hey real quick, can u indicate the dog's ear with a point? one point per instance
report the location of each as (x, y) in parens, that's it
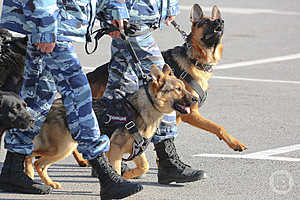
(167, 70)
(157, 76)
(196, 14)
(216, 13)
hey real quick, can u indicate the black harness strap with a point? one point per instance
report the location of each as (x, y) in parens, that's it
(179, 73)
(140, 142)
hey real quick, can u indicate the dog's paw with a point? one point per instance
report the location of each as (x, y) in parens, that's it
(83, 163)
(238, 146)
(55, 185)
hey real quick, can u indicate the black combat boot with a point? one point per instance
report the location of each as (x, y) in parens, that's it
(112, 185)
(171, 168)
(14, 179)
(124, 168)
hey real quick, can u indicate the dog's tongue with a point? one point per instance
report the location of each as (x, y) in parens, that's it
(187, 109)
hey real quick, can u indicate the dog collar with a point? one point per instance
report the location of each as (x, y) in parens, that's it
(204, 67)
(194, 61)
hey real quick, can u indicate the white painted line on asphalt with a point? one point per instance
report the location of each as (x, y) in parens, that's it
(243, 11)
(279, 150)
(255, 80)
(288, 159)
(261, 155)
(257, 62)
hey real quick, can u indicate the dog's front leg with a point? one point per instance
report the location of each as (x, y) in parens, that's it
(142, 167)
(195, 119)
(114, 156)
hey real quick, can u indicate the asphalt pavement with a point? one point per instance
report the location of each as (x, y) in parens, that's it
(254, 94)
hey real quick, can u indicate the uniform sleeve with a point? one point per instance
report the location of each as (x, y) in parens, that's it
(173, 8)
(116, 9)
(41, 16)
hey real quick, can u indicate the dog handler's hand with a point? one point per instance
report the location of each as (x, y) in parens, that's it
(170, 19)
(118, 23)
(45, 47)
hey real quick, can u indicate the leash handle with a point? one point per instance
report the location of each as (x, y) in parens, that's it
(128, 29)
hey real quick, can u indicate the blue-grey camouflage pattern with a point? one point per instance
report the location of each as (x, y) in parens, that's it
(44, 76)
(151, 11)
(52, 20)
(123, 75)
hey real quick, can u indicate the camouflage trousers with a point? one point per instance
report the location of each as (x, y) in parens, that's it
(124, 75)
(44, 76)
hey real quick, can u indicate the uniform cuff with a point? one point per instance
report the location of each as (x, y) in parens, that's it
(42, 38)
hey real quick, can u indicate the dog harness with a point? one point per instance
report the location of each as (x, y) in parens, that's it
(119, 113)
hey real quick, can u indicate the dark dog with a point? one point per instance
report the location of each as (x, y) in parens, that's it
(164, 94)
(12, 58)
(13, 113)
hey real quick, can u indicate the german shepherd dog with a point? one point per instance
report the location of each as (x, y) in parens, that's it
(163, 94)
(192, 63)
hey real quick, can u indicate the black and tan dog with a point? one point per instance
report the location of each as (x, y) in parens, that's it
(192, 63)
(163, 94)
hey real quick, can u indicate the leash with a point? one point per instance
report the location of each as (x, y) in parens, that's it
(183, 34)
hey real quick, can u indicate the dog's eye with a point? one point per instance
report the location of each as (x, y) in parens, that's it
(205, 21)
(17, 107)
(178, 89)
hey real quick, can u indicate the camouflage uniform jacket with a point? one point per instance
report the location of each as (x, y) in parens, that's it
(151, 11)
(51, 20)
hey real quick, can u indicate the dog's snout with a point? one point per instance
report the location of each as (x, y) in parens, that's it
(218, 25)
(219, 21)
(194, 99)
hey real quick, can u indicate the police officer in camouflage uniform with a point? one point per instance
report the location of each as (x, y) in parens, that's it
(124, 77)
(52, 66)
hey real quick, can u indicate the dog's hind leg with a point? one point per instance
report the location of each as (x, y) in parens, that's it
(142, 167)
(29, 167)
